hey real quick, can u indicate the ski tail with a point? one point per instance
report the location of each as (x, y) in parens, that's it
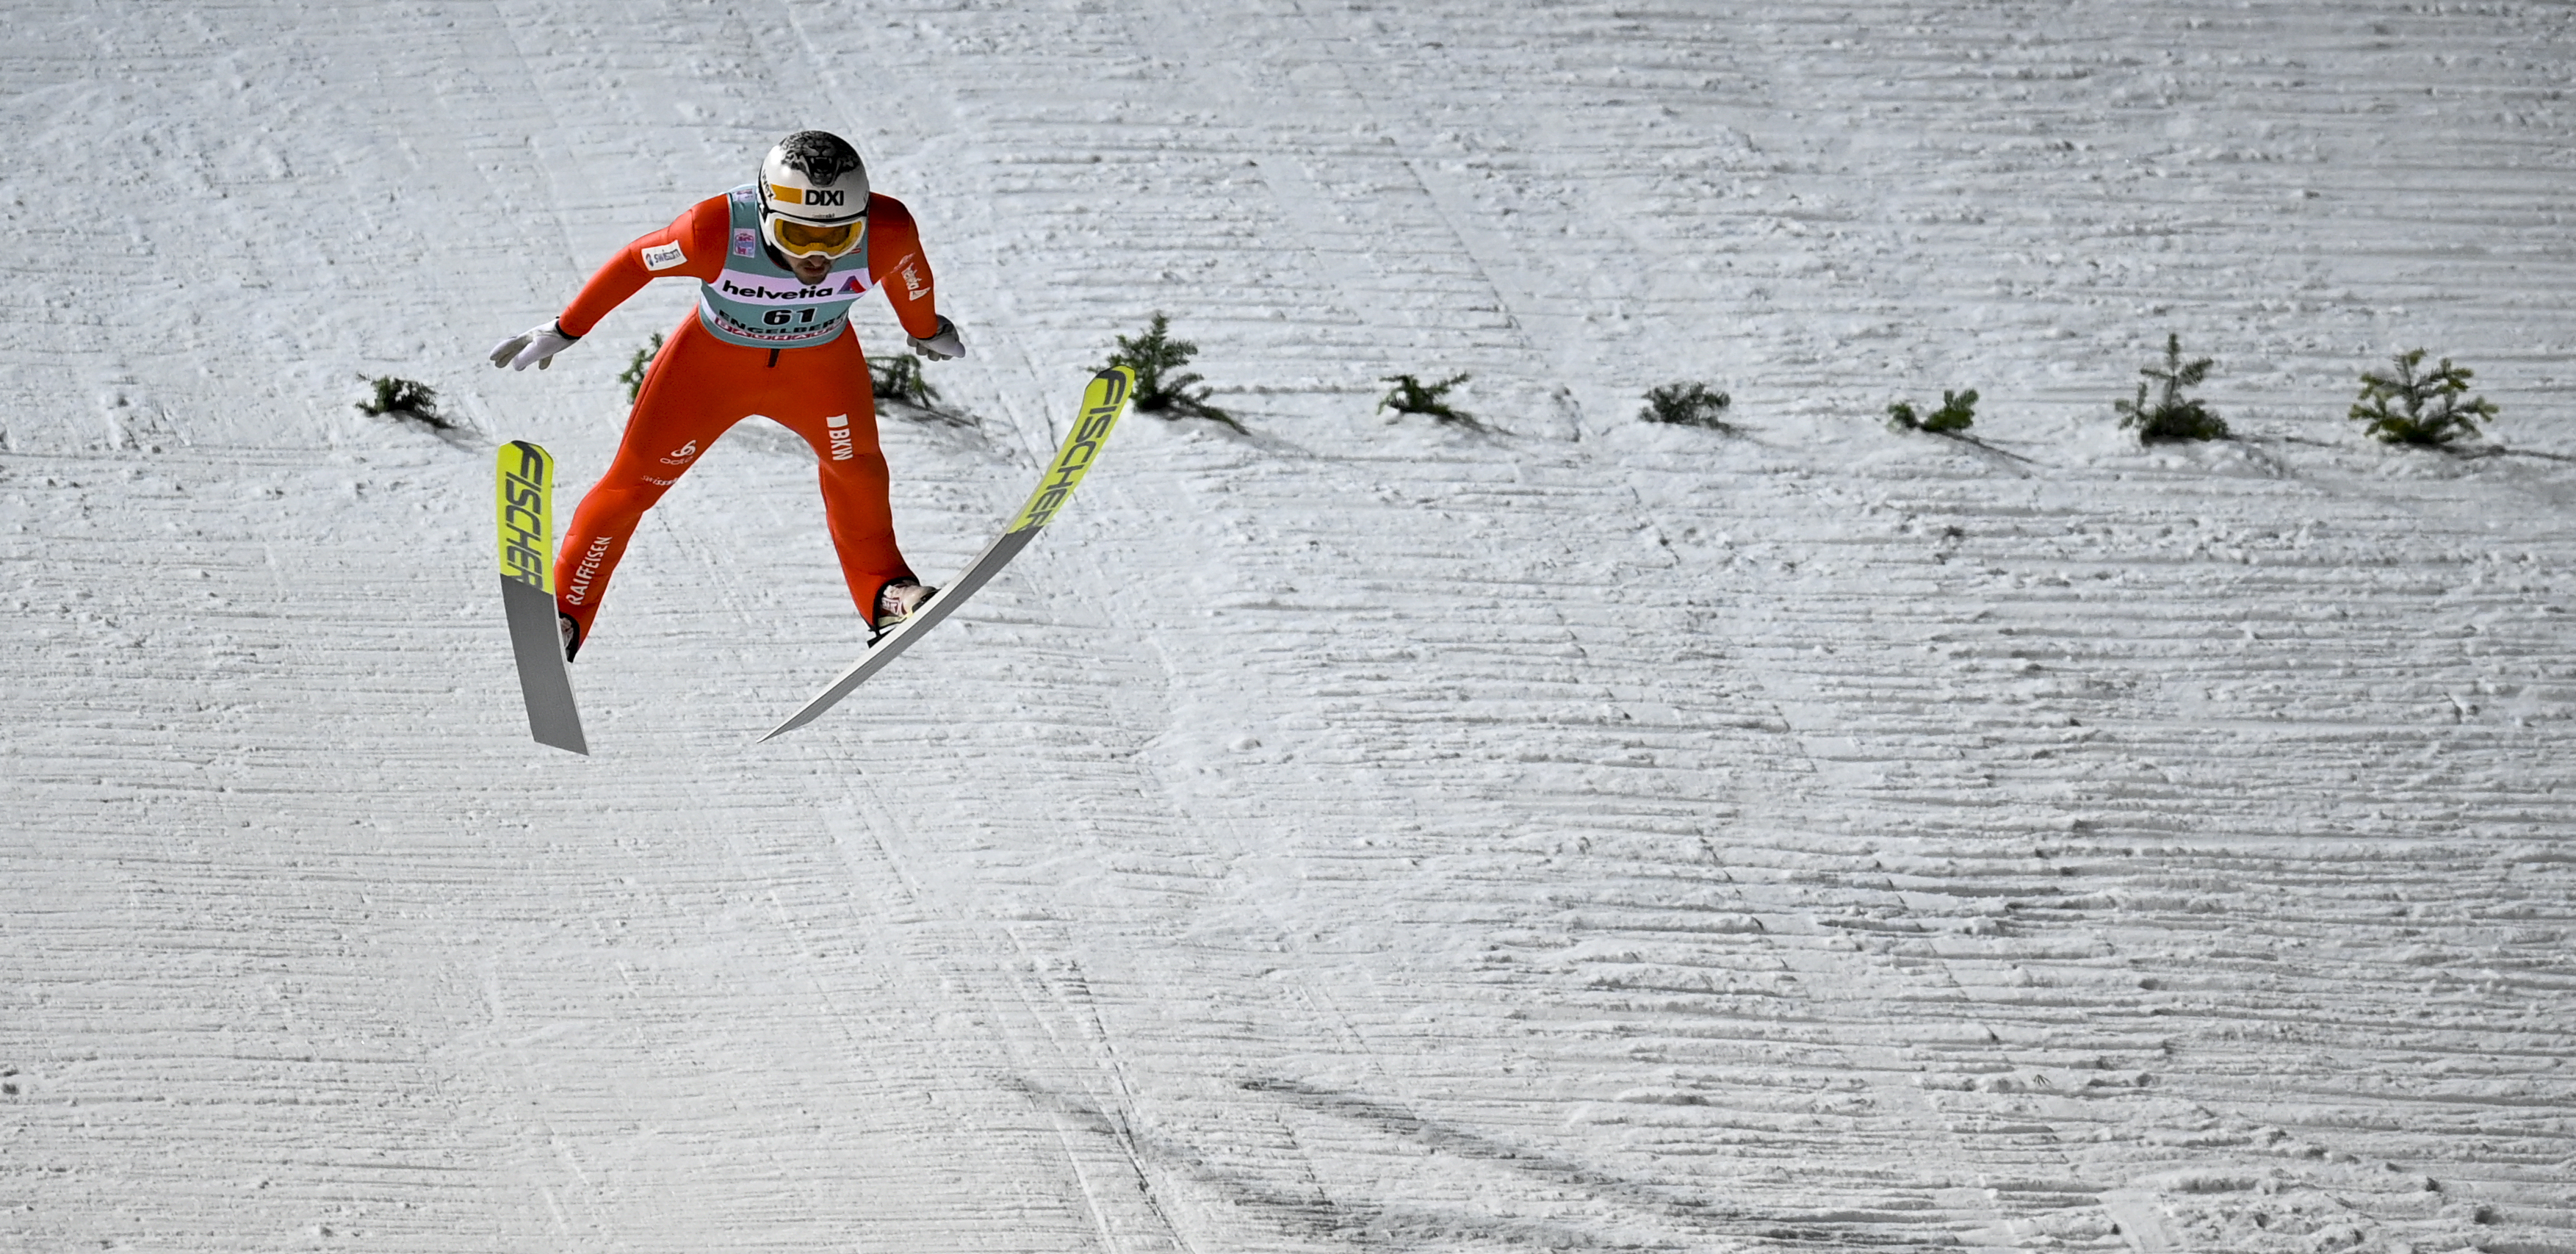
(523, 503)
(1102, 402)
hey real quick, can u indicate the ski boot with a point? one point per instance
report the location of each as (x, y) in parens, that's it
(897, 601)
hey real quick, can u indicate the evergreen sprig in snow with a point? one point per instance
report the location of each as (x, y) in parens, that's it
(1688, 405)
(636, 367)
(1411, 395)
(407, 399)
(2429, 409)
(1957, 413)
(898, 378)
(1154, 356)
(2172, 416)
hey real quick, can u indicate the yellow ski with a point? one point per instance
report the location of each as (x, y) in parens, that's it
(1102, 402)
(523, 504)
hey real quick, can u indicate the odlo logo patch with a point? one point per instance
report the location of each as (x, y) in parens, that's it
(680, 456)
(843, 448)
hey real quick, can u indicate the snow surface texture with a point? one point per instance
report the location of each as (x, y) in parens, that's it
(1363, 834)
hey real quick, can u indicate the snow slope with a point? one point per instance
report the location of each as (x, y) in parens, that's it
(1361, 834)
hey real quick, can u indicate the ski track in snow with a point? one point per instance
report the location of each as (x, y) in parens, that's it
(1362, 834)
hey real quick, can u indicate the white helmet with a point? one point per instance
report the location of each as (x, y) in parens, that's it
(813, 184)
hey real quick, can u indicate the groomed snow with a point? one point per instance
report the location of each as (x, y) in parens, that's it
(1356, 835)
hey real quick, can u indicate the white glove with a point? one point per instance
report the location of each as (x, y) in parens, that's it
(535, 346)
(942, 346)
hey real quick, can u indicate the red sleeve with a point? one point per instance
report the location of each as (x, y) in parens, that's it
(699, 235)
(896, 265)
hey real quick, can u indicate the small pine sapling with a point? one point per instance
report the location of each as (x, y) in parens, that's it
(1958, 411)
(1686, 405)
(1413, 396)
(898, 378)
(2448, 417)
(1152, 354)
(405, 399)
(2172, 416)
(633, 375)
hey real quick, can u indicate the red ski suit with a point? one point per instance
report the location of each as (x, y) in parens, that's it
(700, 386)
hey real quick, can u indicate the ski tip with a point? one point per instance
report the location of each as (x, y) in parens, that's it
(1121, 381)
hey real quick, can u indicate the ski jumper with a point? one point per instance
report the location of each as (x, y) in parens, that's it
(760, 343)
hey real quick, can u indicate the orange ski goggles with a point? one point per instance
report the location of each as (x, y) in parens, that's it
(801, 239)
